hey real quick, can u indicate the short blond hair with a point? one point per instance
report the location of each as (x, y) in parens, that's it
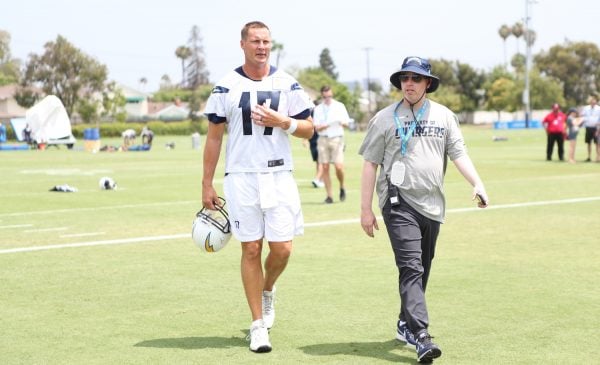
(250, 25)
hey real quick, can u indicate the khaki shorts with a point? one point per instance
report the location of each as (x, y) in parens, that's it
(331, 150)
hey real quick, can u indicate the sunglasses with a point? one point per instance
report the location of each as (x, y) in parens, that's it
(415, 78)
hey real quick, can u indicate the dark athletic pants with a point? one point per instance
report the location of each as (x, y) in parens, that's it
(559, 139)
(413, 239)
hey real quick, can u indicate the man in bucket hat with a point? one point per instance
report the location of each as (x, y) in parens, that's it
(411, 141)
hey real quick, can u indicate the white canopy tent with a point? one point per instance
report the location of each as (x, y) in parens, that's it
(49, 122)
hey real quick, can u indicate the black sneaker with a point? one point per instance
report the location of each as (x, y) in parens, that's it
(426, 350)
(328, 200)
(404, 334)
(342, 195)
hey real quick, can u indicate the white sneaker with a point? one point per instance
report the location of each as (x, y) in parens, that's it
(259, 337)
(318, 184)
(268, 308)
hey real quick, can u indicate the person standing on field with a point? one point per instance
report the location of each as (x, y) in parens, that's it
(591, 120)
(573, 123)
(554, 123)
(331, 117)
(410, 142)
(261, 107)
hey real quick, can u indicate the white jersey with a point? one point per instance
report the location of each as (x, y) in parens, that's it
(250, 147)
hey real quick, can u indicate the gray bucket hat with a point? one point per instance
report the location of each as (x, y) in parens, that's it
(417, 65)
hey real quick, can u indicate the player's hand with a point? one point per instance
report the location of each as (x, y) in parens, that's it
(210, 198)
(368, 222)
(480, 196)
(264, 116)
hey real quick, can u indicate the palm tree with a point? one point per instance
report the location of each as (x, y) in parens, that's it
(504, 32)
(277, 47)
(143, 82)
(184, 53)
(518, 30)
(530, 37)
(165, 82)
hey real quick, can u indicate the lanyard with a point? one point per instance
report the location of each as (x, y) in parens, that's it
(404, 137)
(325, 112)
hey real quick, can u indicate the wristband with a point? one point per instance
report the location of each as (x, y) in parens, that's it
(293, 126)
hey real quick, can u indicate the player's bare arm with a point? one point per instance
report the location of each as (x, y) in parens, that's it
(212, 150)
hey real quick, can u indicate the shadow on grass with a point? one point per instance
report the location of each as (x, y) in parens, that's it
(195, 343)
(377, 350)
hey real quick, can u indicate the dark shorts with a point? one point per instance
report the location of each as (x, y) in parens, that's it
(590, 135)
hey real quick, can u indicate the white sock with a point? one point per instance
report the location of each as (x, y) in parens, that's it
(257, 323)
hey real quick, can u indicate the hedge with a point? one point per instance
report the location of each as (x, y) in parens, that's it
(183, 128)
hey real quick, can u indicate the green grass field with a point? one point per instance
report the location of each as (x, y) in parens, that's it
(119, 281)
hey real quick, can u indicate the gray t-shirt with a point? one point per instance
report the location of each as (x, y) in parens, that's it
(437, 136)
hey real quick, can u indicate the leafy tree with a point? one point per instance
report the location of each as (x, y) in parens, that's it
(315, 77)
(63, 70)
(113, 103)
(196, 72)
(518, 63)
(445, 70)
(503, 94)
(461, 80)
(9, 67)
(326, 63)
(26, 96)
(448, 96)
(183, 53)
(577, 65)
(545, 91)
(168, 95)
(88, 110)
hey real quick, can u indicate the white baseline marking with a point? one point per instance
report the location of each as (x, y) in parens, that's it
(315, 224)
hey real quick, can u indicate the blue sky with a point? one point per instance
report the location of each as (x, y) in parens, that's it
(136, 39)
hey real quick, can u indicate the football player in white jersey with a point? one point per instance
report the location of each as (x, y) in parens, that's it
(261, 107)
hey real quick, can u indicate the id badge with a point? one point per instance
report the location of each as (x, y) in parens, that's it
(397, 175)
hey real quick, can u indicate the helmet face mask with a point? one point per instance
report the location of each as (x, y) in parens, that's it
(211, 229)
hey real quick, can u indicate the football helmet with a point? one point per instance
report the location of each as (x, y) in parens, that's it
(211, 229)
(106, 183)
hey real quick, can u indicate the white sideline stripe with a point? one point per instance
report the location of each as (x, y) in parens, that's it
(315, 224)
(72, 210)
(530, 204)
(96, 243)
(17, 226)
(82, 234)
(46, 229)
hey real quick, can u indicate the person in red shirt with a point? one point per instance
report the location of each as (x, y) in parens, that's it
(554, 123)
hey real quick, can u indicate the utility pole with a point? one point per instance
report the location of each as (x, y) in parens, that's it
(526, 100)
(367, 50)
